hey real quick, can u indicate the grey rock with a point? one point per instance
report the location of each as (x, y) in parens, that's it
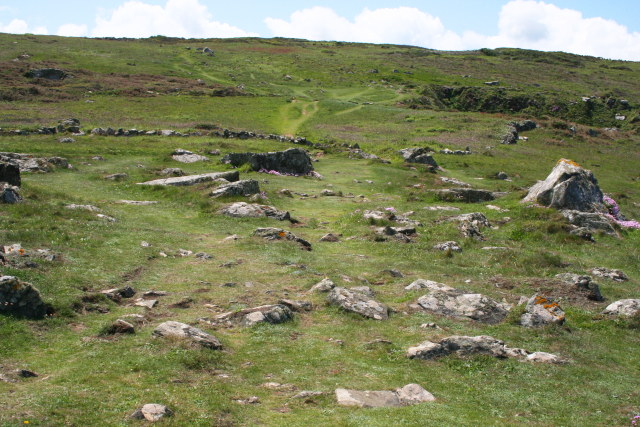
(172, 172)
(418, 155)
(615, 275)
(137, 202)
(184, 331)
(116, 176)
(325, 285)
(22, 299)
(454, 302)
(590, 221)
(245, 187)
(297, 305)
(467, 195)
(525, 125)
(413, 394)
(10, 173)
(9, 194)
(358, 303)
(292, 161)
(28, 163)
(185, 156)
(367, 399)
(146, 303)
(274, 314)
(448, 246)
(326, 192)
(152, 412)
(89, 208)
(329, 237)
(306, 394)
(454, 181)
(365, 290)
(511, 136)
(542, 311)
(623, 307)
(502, 176)
(427, 284)
(253, 210)
(271, 234)
(568, 186)
(230, 176)
(478, 345)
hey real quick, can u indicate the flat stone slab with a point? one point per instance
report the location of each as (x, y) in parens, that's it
(273, 313)
(254, 210)
(180, 181)
(357, 302)
(411, 394)
(184, 331)
(448, 301)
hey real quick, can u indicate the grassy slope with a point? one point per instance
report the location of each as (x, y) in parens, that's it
(86, 380)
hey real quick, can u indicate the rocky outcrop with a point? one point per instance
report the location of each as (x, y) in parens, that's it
(612, 274)
(271, 233)
(583, 284)
(411, 394)
(588, 221)
(542, 311)
(624, 307)
(183, 331)
(568, 186)
(274, 314)
(22, 299)
(253, 210)
(450, 246)
(359, 303)
(418, 155)
(448, 301)
(28, 163)
(10, 173)
(325, 285)
(471, 224)
(180, 181)
(478, 345)
(294, 161)
(245, 187)
(511, 136)
(466, 195)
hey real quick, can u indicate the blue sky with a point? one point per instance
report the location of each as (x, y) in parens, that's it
(609, 29)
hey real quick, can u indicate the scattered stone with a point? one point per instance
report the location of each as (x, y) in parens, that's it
(185, 156)
(588, 221)
(116, 294)
(67, 140)
(582, 283)
(155, 294)
(541, 311)
(525, 125)
(511, 136)
(419, 155)
(454, 181)
(253, 400)
(253, 210)
(494, 248)
(466, 195)
(230, 176)
(274, 314)
(120, 327)
(393, 273)
(469, 346)
(365, 290)
(245, 187)
(327, 192)
(286, 192)
(271, 234)
(502, 176)
(117, 176)
(411, 394)
(184, 331)
(624, 307)
(203, 256)
(231, 238)
(295, 161)
(448, 246)
(448, 301)
(615, 275)
(152, 412)
(106, 217)
(325, 285)
(359, 303)
(28, 163)
(22, 299)
(297, 305)
(568, 186)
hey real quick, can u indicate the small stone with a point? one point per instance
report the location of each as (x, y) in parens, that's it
(184, 331)
(624, 307)
(306, 394)
(116, 176)
(146, 303)
(296, 305)
(329, 237)
(448, 246)
(152, 412)
(120, 327)
(145, 244)
(325, 285)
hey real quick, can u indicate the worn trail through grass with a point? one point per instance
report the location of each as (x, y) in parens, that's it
(294, 114)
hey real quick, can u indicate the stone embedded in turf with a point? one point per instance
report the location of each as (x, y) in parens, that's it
(454, 302)
(542, 311)
(22, 299)
(152, 412)
(190, 333)
(410, 394)
(245, 187)
(356, 302)
(254, 210)
(624, 307)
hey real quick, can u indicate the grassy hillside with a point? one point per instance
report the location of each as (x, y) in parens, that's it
(381, 97)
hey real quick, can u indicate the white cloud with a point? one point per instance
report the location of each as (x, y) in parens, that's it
(73, 30)
(177, 18)
(18, 26)
(525, 24)
(402, 25)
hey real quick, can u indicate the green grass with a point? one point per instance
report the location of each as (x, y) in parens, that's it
(87, 379)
